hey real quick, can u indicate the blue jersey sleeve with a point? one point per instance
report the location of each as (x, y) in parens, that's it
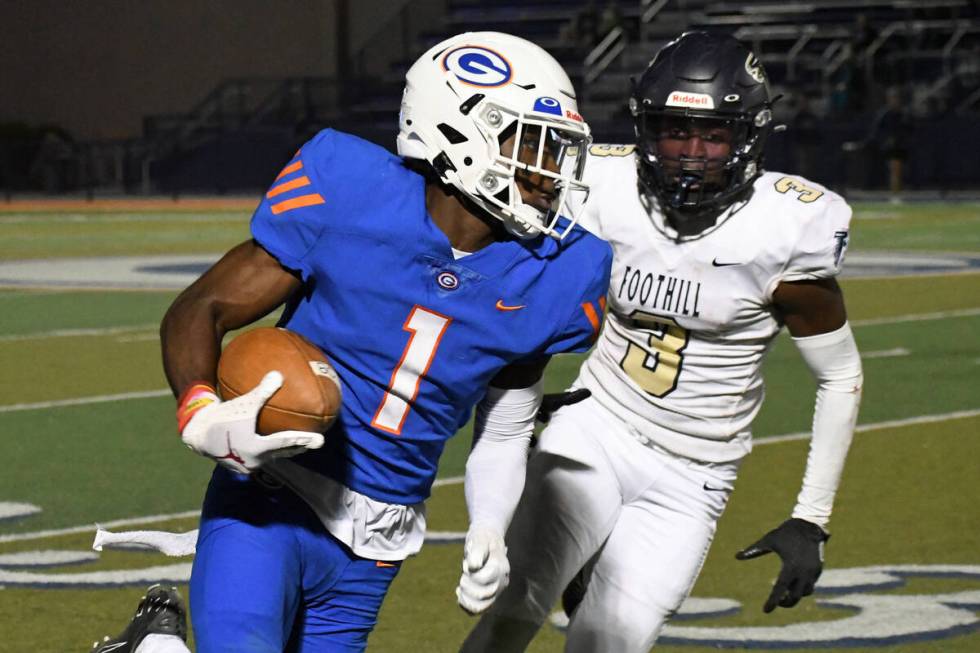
(583, 325)
(296, 209)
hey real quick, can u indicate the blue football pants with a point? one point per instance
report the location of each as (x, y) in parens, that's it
(269, 578)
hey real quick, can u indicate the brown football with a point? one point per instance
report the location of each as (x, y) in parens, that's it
(309, 398)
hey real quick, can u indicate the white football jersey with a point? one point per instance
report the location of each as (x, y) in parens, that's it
(689, 320)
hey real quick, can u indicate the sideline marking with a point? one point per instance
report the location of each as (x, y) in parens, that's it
(456, 480)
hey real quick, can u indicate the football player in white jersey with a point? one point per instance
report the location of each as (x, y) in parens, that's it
(712, 256)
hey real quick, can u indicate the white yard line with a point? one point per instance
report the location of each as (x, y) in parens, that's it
(886, 353)
(90, 528)
(877, 426)
(79, 333)
(118, 330)
(80, 401)
(917, 317)
(456, 480)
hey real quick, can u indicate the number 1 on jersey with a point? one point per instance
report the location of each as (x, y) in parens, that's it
(427, 328)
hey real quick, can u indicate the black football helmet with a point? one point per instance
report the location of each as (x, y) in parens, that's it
(701, 80)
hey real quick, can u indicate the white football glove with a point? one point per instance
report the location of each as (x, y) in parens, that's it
(486, 570)
(225, 431)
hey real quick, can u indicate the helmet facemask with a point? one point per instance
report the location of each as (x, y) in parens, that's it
(543, 157)
(700, 185)
(703, 81)
(467, 97)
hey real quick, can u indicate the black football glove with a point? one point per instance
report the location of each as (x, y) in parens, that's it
(799, 544)
(551, 403)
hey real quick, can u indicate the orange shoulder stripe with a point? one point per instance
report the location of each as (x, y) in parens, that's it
(299, 182)
(292, 167)
(297, 202)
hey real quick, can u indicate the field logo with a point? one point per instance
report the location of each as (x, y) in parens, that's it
(875, 618)
(477, 66)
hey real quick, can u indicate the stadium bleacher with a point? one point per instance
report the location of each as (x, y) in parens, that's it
(841, 55)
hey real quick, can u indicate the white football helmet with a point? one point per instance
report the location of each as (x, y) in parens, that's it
(468, 95)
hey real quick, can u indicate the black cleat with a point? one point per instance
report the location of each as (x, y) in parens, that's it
(160, 612)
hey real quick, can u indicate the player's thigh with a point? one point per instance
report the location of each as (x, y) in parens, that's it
(245, 582)
(650, 561)
(341, 609)
(571, 501)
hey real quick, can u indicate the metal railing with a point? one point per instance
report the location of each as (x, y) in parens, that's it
(603, 54)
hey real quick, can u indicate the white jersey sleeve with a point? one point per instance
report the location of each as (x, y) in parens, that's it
(604, 164)
(824, 235)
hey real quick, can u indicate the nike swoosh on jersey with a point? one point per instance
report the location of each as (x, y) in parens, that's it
(503, 307)
(719, 264)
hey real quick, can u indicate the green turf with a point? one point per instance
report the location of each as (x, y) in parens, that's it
(929, 227)
(935, 227)
(883, 298)
(28, 312)
(56, 235)
(907, 496)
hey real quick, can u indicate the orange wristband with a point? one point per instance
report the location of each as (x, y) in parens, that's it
(194, 398)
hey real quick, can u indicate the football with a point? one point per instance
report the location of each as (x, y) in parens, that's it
(309, 398)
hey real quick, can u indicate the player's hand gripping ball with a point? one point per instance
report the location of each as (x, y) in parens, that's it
(309, 398)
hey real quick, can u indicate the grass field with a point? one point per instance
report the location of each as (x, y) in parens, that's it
(88, 435)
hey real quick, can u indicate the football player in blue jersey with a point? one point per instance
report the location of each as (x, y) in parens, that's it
(436, 281)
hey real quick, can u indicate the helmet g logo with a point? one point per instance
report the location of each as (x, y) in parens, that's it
(754, 68)
(477, 66)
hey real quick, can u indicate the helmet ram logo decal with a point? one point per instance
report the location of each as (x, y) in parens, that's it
(754, 68)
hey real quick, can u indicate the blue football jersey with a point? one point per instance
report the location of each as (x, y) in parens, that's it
(415, 335)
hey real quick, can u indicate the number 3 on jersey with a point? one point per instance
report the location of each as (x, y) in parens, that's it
(656, 366)
(427, 328)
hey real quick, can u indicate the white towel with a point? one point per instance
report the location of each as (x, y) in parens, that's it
(171, 544)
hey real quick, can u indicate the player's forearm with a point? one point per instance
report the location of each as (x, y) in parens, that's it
(246, 284)
(191, 342)
(834, 360)
(497, 464)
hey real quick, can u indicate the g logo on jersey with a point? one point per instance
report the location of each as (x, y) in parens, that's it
(448, 280)
(478, 66)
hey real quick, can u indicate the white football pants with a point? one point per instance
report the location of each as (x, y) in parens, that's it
(593, 490)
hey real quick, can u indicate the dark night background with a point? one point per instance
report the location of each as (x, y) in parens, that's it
(109, 97)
